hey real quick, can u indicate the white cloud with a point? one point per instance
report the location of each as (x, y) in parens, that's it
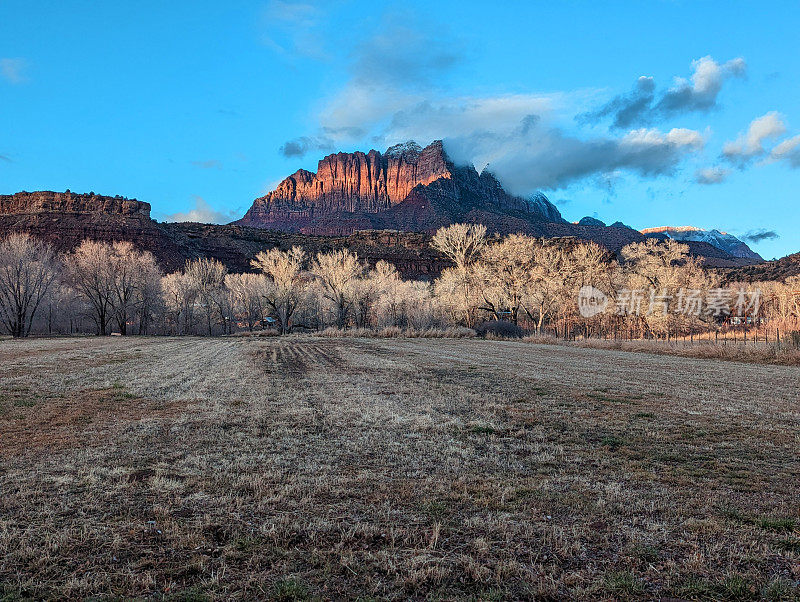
(203, 213)
(708, 75)
(13, 70)
(540, 156)
(788, 150)
(395, 93)
(701, 92)
(643, 106)
(676, 136)
(711, 175)
(750, 144)
(448, 117)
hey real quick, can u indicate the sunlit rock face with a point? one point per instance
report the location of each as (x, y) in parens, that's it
(405, 188)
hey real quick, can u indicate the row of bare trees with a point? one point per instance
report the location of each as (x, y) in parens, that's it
(781, 304)
(537, 281)
(107, 288)
(532, 282)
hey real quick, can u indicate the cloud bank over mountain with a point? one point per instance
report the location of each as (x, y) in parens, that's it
(393, 94)
(670, 137)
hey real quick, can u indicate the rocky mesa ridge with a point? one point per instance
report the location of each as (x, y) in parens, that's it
(461, 194)
(406, 188)
(46, 201)
(64, 219)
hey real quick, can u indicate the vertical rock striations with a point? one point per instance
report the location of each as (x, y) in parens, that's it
(407, 187)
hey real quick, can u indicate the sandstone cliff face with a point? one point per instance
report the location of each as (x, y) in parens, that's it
(65, 219)
(69, 202)
(351, 183)
(355, 191)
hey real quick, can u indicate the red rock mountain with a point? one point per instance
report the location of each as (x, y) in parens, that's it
(414, 189)
(406, 188)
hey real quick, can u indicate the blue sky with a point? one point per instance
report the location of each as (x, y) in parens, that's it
(653, 113)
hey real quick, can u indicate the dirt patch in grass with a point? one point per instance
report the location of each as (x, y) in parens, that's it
(35, 422)
(296, 358)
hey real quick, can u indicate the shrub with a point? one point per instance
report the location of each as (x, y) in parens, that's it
(542, 339)
(500, 329)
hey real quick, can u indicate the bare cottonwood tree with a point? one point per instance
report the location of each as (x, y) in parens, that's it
(365, 296)
(180, 295)
(207, 277)
(553, 270)
(418, 310)
(124, 272)
(462, 244)
(27, 270)
(151, 295)
(337, 272)
(92, 276)
(135, 282)
(399, 302)
(62, 309)
(390, 299)
(781, 302)
(286, 284)
(248, 292)
(663, 268)
(224, 305)
(506, 274)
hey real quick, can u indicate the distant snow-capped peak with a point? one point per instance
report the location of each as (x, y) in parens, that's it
(403, 148)
(717, 238)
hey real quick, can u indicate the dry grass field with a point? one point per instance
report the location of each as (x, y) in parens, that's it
(322, 468)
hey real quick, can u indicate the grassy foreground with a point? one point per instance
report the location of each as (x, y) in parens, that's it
(306, 467)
